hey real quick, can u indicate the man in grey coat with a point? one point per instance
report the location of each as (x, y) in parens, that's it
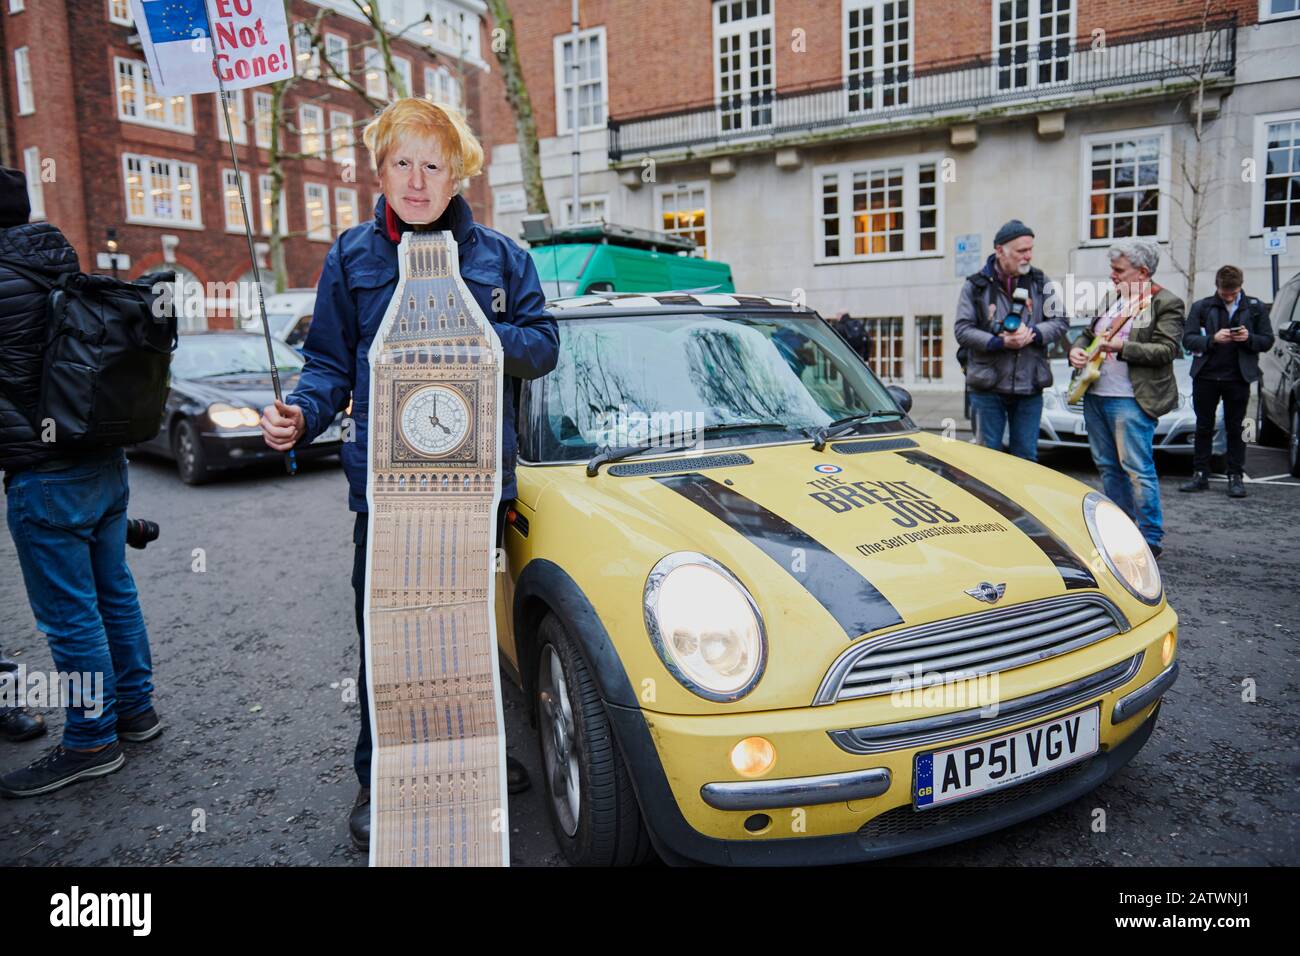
(1005, 321)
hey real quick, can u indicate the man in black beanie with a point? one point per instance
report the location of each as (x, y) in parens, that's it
(67, 516)
(1005, 321)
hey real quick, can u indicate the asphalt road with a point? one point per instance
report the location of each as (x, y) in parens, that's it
(252, 656)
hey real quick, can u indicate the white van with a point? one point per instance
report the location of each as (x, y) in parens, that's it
(289, 315)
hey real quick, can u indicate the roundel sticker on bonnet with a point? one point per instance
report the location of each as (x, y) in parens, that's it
(827, 469)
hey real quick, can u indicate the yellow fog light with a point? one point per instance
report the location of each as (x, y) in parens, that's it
(1167, 648)
(753, 756)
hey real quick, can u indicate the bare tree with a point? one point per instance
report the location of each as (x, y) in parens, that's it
(521, 105)
(1198, 159)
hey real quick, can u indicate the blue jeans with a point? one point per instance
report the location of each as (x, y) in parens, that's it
(69, 529)
(1120, 435)
(993, 411)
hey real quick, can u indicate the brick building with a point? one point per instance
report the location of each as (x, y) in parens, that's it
(863, 152)
(80, 109)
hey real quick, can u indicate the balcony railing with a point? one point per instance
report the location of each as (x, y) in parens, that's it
(1037, 77)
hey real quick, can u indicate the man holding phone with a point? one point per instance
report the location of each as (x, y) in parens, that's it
(1227, 331)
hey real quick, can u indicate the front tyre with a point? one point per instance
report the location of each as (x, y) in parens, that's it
(589, 795)
(188, 452)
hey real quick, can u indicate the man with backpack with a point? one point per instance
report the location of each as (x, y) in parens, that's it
(66, 505)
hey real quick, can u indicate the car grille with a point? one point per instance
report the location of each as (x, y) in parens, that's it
(963, 647)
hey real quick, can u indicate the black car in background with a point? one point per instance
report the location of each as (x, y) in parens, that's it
(1278, 410)
(220, 383)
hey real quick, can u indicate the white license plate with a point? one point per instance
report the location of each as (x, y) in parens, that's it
(945, 776)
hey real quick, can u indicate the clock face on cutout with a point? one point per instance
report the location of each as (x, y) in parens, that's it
(435, 420)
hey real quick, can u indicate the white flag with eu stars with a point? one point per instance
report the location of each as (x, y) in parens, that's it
(252, 43)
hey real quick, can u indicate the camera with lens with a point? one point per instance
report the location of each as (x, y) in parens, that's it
(1016, 317)
(140, 532)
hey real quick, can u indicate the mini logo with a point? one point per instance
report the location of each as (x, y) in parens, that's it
(988, 593)
(827, 469)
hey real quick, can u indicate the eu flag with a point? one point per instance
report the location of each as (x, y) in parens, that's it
(175, 19)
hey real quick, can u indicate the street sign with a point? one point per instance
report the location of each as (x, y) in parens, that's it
(1275, 242)
(967, 254)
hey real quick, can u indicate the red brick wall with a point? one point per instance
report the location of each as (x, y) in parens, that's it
(661, 54)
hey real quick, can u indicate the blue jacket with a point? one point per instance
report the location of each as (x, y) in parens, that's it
(352, 296)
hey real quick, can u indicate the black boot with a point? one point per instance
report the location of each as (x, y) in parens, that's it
(1236, 487)
(359, 820)
(17, 725)
(1200, 482)
(516, 776)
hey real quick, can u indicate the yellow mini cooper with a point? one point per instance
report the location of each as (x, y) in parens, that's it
(761, 618)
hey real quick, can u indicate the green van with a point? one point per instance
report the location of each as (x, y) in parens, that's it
(602, 257)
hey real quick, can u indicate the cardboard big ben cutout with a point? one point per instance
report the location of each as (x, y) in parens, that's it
(438, 781)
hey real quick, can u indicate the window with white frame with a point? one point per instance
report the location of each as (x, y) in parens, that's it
(442, 86)
(1127, 179)
(231, 199)
(345, 207)
(336, 53)
(238, 116)
(743, 78)
(885, 209)
(23, 73)
(139, 102)
(402, 67)
(1277, 162)
(376, 75)
(886, 355)
(119, 11)
(1032, 41)
(342, 138)
(929, 348)
(17, 6)
(264, 200)
(318, 211)
(35, 186)
(877, 53)
(263, 117)
(683, 210)
(580, 72)
(161, 192)
(311, 129)
(306, 55)
(594, 209)
(1274, 9)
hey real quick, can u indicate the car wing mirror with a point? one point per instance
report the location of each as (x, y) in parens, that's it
(902, 396)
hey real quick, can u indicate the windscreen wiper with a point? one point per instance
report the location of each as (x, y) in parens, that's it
(842, 426)
(627, 451)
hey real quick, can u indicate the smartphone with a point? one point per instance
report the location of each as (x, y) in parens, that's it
(1236, 328)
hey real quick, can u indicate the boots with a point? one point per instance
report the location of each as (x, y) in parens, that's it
(1200, 482)
(1236, 487)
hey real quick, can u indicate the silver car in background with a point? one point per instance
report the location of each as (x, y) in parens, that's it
(1062, 424)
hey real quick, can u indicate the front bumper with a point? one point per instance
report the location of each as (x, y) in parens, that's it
(825, 804)
(238, 448)
(1175, 431)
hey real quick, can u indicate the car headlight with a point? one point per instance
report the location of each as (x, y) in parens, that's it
(705, 626)
(1122, 547)
(228, 416)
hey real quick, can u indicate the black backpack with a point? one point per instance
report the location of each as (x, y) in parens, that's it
(107, 357)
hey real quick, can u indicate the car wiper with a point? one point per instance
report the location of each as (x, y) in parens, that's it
(610, 455)
(237, 371)
(842, 426)
(737, 426)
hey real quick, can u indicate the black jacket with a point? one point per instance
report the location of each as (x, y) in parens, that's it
(1209, 315)
(41, 248)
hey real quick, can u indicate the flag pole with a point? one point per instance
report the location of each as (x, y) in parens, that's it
(290, 457)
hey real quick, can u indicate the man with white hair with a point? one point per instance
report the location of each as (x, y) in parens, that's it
(1141, 327)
